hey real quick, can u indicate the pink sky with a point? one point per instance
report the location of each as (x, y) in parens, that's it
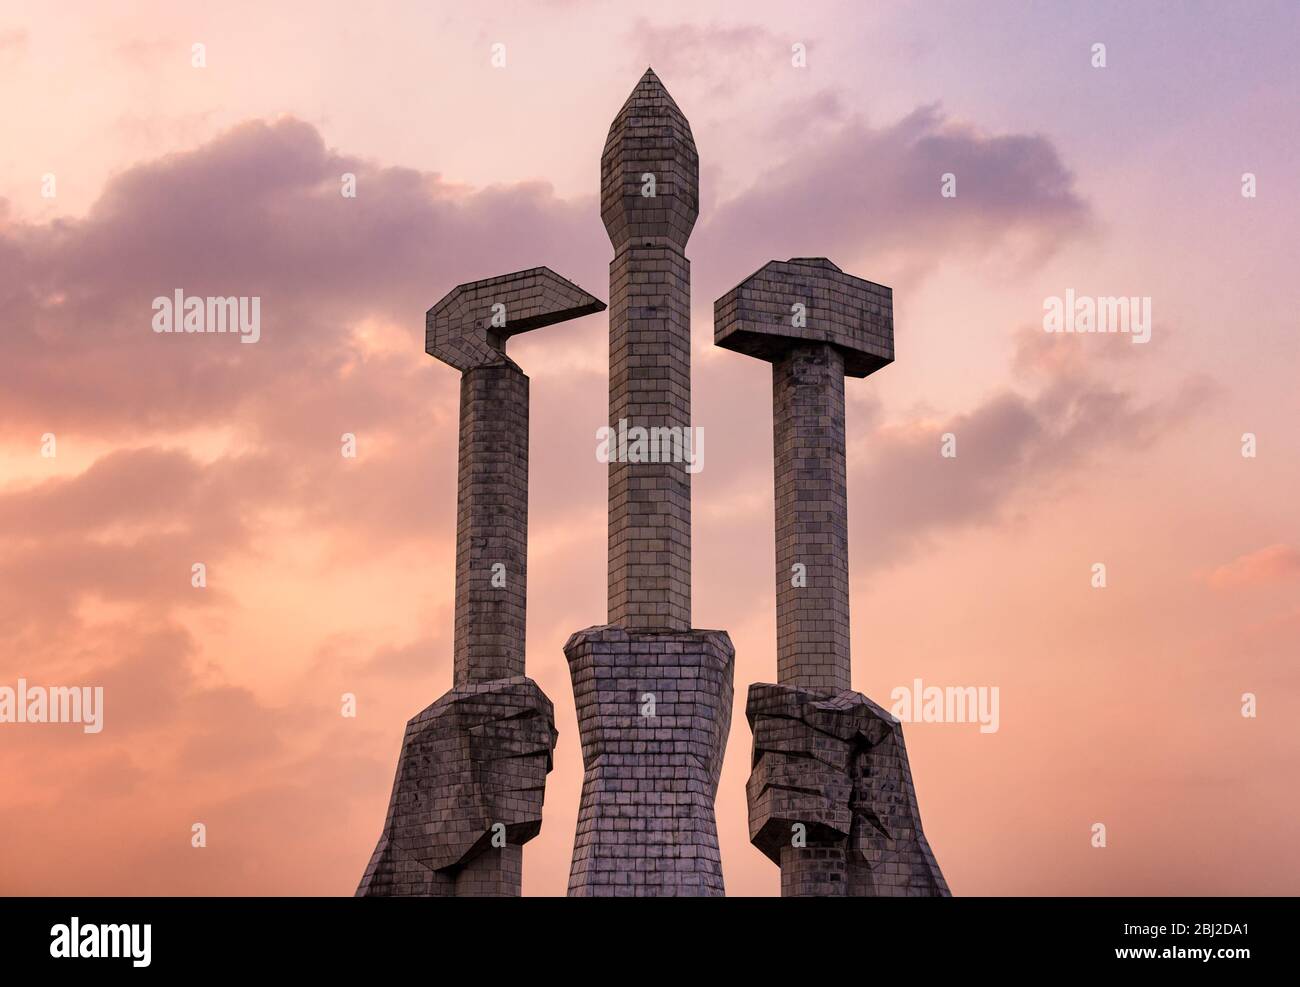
(329, 575)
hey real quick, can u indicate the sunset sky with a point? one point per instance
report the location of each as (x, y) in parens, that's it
(329, 575)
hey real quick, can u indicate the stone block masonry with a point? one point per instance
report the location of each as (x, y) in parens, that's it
(650, 386)
(649, 185)
(468, 794)
(653, 695)
(812, 531)
(830, 793)
(491, 525)
(654, 709)
(835, 763)
(472, 771)
(831, 797)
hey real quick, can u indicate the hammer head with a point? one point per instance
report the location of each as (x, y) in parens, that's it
(762, 316)
(471, 324)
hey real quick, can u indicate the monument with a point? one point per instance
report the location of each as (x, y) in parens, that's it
(653, 694)
(472, 771)
(830, 794)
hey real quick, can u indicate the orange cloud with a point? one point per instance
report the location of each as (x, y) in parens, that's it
(1273, 564)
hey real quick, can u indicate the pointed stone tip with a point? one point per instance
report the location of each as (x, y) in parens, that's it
(649, 135)
(650, 86)
(649, 99)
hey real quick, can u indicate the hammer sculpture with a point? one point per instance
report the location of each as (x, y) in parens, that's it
(830, 794)
(472, 771)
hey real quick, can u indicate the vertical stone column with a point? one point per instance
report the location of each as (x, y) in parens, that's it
(491, 568)
(649, 185)
(812, 550)
(830, 795)
(653, 695)
(650, 387)
(491, 524)
(472, 771)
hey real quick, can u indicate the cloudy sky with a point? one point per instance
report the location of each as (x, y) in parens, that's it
(126, 173)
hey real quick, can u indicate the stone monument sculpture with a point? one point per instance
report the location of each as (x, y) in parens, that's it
(472, 771)
(653, 694)
(830, 795)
